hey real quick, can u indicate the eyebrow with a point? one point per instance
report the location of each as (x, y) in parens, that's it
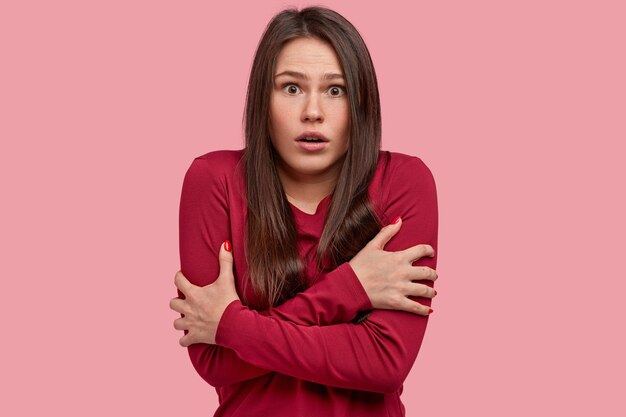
(296, 74)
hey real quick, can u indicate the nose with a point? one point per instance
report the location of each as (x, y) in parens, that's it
(312, 111)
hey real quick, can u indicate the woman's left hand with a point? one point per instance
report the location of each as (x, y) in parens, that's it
(203, 307)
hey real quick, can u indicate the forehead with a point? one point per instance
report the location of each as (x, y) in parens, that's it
(307, 54)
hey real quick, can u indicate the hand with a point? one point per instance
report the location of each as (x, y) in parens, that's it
(387, 277)
(202, 307)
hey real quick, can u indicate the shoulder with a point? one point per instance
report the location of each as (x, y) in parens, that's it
(213, 172)
(403, 180)
(219, 161)
(394, 163)
(215, 164)
(399, 169)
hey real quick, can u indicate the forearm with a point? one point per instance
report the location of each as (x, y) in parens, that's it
(374, 355)
(336, 298)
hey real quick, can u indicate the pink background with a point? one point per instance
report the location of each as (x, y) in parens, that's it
(518, 108)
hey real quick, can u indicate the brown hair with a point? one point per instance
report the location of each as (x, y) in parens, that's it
(275, 270)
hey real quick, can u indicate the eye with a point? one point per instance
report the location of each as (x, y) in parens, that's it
(337, 90)
(290, 88)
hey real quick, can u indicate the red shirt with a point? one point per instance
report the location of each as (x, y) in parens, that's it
(305, 358)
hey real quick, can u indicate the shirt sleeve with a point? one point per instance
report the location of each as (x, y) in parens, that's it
(374, 355)
(337, 297)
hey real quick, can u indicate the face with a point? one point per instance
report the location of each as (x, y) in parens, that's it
(309, 97)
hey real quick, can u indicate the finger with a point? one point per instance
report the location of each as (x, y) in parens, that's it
(182, 283)
(420, 290)
(418, 251)
(180, 324)
(178, 305)
(419, 273)
(184, 341)
(414, 307)
(386, 233)
(226, 260)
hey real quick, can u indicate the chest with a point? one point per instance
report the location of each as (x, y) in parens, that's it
(309, 229)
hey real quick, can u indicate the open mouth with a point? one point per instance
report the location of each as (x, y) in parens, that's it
(312, 137)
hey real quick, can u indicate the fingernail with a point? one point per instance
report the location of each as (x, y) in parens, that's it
(435, 292)
(227, 245)
(396, 220)
(430, 310)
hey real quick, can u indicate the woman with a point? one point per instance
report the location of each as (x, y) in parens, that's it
(325, 325)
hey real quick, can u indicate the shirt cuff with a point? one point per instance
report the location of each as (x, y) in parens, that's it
(355, 289)
(224, 327)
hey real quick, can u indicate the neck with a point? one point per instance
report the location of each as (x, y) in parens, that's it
(307, 188)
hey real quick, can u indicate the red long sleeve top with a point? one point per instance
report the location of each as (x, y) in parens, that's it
(305, 358)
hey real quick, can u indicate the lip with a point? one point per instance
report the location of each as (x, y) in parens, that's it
(312, 146)
(311, 134)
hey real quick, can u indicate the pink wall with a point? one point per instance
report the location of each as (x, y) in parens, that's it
(518, 108)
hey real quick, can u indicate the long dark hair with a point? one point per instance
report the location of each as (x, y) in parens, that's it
(274, 268)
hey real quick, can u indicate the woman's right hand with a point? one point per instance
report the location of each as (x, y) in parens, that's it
(387, 277)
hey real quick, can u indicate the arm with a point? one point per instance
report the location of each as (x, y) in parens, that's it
(336, 297)
(375, 355)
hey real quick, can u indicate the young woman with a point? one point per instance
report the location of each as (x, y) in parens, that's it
(295, 301)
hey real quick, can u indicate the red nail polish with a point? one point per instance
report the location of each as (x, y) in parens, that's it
(430, 310)
(227, 245)
(396, 220)
(435, 292)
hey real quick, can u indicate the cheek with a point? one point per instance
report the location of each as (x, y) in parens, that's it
(279, 116)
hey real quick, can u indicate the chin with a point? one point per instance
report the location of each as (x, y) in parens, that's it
(313, 166)
(312, 169)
